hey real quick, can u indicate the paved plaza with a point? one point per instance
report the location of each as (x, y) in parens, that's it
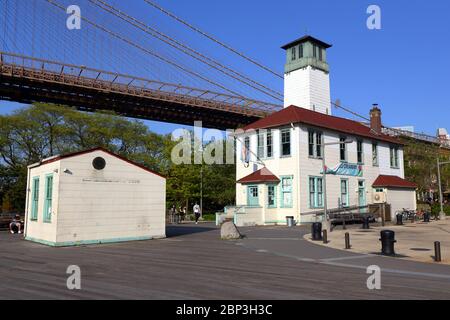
(192, 263)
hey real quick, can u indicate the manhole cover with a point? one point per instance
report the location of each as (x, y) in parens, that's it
(365, 231)
(420, 249)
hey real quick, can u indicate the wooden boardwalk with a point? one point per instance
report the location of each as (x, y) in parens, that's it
(272, 263)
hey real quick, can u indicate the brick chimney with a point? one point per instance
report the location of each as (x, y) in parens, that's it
(375, 119)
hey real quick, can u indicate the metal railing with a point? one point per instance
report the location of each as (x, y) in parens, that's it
(52, 72)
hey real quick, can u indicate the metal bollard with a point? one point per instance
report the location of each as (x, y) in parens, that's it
(347, 241)
(316, 231)
(437, 251)
(325, 236)
(387, 242)
(366, 223)
(399, 217)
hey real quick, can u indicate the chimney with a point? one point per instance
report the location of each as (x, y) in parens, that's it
(375, 119)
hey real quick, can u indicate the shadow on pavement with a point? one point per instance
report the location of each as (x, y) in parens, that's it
(186, 229)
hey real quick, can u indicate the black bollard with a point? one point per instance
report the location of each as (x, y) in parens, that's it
(387, 242)
(325, 236)
(316, 231)
(347, 241)
(426, 217)
(437, 251)
(366, 223)
(399, 217)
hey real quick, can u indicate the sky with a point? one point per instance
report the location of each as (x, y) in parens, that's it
(404, 67)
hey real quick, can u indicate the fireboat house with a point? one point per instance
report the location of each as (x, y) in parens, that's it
(279, 168)
(93, 197)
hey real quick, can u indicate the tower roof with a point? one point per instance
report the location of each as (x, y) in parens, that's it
(306, 39)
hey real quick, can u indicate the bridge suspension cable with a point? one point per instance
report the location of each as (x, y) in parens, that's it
(235, 51)
(148, 51)
(188, 50)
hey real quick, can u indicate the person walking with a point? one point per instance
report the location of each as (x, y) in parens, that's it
(196, 210)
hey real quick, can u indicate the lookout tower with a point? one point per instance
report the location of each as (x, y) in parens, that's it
(306, 75)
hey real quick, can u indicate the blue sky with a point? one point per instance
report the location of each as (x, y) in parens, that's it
(404, 67)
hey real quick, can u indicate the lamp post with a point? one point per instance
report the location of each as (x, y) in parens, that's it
(324, 173)
(442, 215)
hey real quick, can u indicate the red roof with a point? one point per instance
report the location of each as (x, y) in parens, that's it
(393, 181)
(261, 176)
(79, 153)
(295, 114)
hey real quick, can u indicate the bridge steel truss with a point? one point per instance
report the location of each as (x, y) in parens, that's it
(27, 80)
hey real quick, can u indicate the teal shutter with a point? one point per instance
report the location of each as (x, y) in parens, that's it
(35, 199)
(48, 198)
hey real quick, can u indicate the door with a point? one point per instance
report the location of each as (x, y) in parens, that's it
(362, 194)
(252, 196)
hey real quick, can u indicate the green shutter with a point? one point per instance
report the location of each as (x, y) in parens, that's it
(48, 198)
(35, 199)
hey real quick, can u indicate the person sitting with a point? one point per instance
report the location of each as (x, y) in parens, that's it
(16, 225)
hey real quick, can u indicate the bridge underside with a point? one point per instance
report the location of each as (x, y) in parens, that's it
(87, 99)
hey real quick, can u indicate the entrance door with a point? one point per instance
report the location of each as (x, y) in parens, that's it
(362, 194)
(252, 196)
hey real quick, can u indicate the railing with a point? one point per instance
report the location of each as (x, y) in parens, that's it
(417, 136)
(14, 65)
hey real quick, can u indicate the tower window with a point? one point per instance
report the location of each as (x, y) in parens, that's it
(293, 54)
(300, 51)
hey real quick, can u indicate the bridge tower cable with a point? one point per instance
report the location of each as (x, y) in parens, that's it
(188, 50)
(235, 51)
(148, 51)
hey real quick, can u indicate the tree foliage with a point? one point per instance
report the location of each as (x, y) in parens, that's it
(43, 130)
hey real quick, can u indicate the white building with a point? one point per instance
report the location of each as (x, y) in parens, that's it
(93, 197)
(279, 165)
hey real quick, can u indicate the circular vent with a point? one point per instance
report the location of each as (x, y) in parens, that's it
(99, 163)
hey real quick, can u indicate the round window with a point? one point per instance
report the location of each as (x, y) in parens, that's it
(99, 163)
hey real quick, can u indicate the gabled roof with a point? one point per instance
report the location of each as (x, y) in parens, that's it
(384, 181)
(305, 39)
(261, 176)
(295, 114)
(79, 153)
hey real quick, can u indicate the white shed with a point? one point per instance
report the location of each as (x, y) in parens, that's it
(400, 193)
(93, 197)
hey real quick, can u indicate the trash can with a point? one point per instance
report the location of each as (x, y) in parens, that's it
(366, 223)
(290, 222)
(387, 242)
(316, 231)
(399, 217)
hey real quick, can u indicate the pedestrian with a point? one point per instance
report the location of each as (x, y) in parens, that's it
(172, 214)
(16, 224)
(196, 210)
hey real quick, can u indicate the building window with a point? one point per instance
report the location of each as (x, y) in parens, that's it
(343, 149)
(286, 192)
(260, 149)
(252, 196)
(300, 51)
(285, 142)
(35, 199)
(375, 154)
(394, 157)
(271, 196)
(48, 198)
(315, 144)
(269, 144)
(360, 151)
(344, 193)
(320, 53)
(315, 51)
(293, 50)
(315, 192)
(246, 149)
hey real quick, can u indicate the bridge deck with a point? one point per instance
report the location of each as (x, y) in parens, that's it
(26, 79)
